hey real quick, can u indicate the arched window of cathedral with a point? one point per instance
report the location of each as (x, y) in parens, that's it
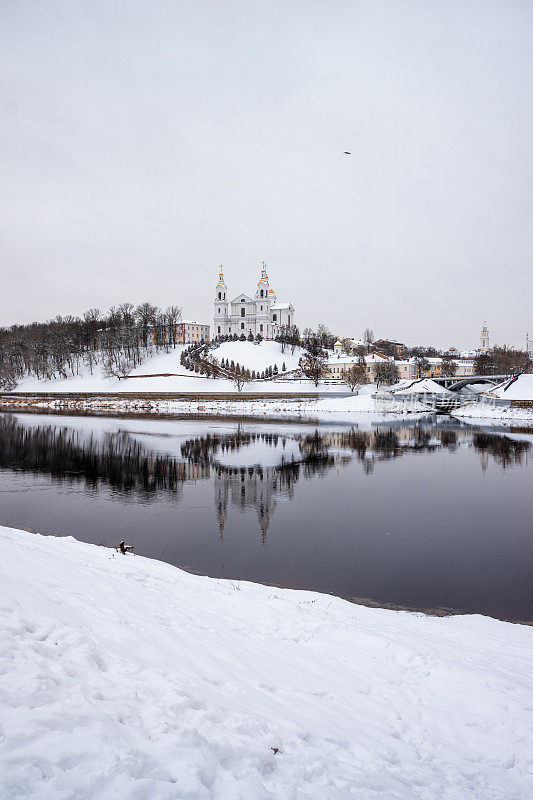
(243, 311)
(274, 317)
(261, 308)
(289, 321)
(220, 296)
(261, 293)
(219, 328)
(219, 310)
(261, 328)
(242, 325)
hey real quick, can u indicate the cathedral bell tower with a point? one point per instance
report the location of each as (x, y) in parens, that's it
(264, 297)
(220, 316)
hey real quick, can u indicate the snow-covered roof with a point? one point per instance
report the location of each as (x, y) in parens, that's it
(520, 388)
(373, 358)
(192, 322)
(421, 385)
(434, 360)
(280, 306)
(342, 359)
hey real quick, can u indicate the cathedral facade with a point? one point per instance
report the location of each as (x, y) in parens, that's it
(259, 315)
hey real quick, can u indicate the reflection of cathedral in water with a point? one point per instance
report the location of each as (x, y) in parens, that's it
(255, 487)
(250, 469)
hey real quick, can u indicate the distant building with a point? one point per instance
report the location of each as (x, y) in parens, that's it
(485, 344)
(261, 314)
(408, 368)
(190, 332)
(341, 362)
(183, 332)
(395, 348)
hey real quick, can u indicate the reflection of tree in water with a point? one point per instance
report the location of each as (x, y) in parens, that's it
(118, 461)
(448, 438)
(505, 451)
(127, 466)
(202, 449)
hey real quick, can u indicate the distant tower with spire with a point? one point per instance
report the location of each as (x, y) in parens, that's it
(485, 344)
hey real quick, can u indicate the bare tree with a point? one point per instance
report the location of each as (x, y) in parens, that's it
(422, 365)
(325, 337)
(347, 345)
(315, 367)
(172, 316)
(509, 361)
(240, 377)
(484, 364)
(355, 375)
(368, 338)
(386, 372)
(146, 315)
(448, 366)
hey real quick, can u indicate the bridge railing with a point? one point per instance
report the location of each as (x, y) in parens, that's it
(413, 402)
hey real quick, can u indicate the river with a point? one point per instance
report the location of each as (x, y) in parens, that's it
(427, 514)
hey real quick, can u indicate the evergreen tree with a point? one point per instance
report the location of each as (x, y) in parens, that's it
(283, 367)
(275, 369)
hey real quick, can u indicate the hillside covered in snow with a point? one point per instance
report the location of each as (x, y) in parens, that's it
(127, 678)
(174, 377)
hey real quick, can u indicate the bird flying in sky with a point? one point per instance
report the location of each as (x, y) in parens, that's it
(347, 153)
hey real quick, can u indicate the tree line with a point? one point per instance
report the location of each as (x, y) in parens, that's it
(67, 346)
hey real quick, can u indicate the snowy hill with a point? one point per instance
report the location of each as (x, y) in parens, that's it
(246, 353)
(258, 357)
(127, 678)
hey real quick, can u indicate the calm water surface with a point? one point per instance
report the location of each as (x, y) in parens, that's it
(432, 514)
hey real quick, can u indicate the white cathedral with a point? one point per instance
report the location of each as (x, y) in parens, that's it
(261, 314)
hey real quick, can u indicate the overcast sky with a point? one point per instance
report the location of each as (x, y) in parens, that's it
(144, 143)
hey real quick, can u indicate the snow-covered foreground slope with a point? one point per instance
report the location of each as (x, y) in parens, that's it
(128, 678)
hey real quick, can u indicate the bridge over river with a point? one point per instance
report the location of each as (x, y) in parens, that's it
(455, 384)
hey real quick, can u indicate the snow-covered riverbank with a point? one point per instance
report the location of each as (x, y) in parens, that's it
(345, 409)
(125, 677)
(486, 413)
